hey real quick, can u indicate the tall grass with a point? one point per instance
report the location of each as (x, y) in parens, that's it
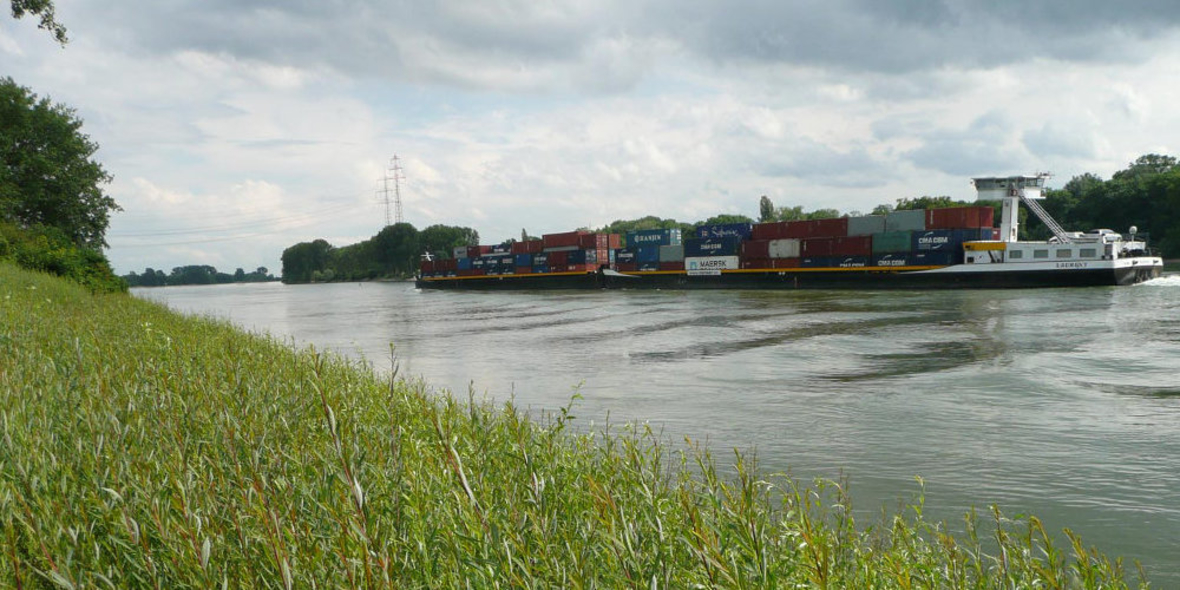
(143, 449)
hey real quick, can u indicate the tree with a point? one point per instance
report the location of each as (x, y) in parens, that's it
(43, 9)
(765, 209)
(47, 174)
(726, 219)
(303, 260)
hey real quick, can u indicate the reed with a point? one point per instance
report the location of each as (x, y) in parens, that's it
(143, 449)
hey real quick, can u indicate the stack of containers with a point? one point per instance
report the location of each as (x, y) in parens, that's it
(941, 242)
(576, 251)
(649, 249)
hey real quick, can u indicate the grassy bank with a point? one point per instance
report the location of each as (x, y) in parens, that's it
(139, 448)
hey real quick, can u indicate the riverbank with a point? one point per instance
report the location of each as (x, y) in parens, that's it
(145, 447)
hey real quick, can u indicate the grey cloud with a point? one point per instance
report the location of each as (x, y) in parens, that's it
(1053, 140)
(821, 165)
(409, 40)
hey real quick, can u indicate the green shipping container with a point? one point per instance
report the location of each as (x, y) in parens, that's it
(891, 242)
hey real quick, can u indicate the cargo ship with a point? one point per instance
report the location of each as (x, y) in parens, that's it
(948, 248)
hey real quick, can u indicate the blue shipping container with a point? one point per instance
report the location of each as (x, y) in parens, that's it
(523, 260)
(834, 262)
(478, 263)
(946, 239)
(726, 230)
(647, 254)
(583, 257)
(463, 263)
(625, 255)
(653, 237)
(540, 260)
(712, 247)
(540, 269)
(502, 249)
(937, 258)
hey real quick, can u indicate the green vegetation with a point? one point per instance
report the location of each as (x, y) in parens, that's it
(44, 10)
(196, 275)
(393, 253)
(146, 449)
(53, 211)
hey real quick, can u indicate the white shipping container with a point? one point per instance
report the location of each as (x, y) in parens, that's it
(561, 249)
(460, 252)
(785, 248)
(710, 265)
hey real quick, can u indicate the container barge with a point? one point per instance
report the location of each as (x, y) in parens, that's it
(918, 249)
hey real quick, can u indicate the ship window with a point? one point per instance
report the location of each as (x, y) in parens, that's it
(1040, 253)
(1016, 254)
(1066, 253)
(1088, 253)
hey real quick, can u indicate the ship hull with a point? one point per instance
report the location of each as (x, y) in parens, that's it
(1109, 273)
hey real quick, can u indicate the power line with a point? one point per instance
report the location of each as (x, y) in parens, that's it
(243, 225)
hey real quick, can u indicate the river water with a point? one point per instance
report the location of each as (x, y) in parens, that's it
(1060, 403)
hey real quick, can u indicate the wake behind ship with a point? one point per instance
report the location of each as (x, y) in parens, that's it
(917, 249)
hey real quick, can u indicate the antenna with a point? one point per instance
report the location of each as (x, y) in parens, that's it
(394, 173)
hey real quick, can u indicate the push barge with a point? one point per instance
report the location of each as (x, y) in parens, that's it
(918, 249)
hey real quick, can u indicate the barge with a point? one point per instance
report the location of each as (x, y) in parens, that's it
(923, 249)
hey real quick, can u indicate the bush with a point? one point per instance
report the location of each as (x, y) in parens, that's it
(47, 249)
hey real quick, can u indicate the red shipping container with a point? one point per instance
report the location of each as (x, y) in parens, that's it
(847, 246)
(959, 218)
(471, 272)
(426, 266)
(770, 263)
(627, 266)
(614, 241)
(528, 247)
(524, 270)
(756, 263)
(557, 259)
(477, 251)
(756, 249)
(786, 262)
(570, 238)
(677, 265)
(817, 228)
(593, 241)
(775, 230)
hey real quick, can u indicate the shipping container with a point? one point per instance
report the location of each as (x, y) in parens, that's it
(785, 248)
(646, 253)
(866, 225)
(770, 263)
(947, 239)
(773, 230)
(911, 220)
(569, 238)
(848, 246)
(653, 237)
(463, 263)
(558, 259)
(470, 273)
(725, 230)
(756, 249)
(625, 256)
(459, 252)
(594, 241)
(540, 268)
(672, 253)
(541, 259)
(614, 241)
(626, 266)
(523, 270)
(835, 262)
(522, 260)
(528, 247)
(820, 228)
(891, 260)
(480, 263)
(937, 258)
(582, 257)
(649, 266)
(502, 248)
(477, 251)
(710, 264)
(672, 265)
(697, 247)
(959, 218)
(892, 241)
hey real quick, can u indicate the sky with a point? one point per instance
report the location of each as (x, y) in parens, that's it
(235, 129)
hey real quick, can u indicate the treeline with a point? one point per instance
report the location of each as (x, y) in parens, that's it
(393, 253)
(196, 275)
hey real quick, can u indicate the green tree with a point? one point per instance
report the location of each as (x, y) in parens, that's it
(44, 10)
(304, 259)
(928, 202)
(765, 209)
(441, 240)
(396, 249)
(47, 174)
(725, 219)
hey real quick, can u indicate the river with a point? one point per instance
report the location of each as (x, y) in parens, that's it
(1060, 403)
